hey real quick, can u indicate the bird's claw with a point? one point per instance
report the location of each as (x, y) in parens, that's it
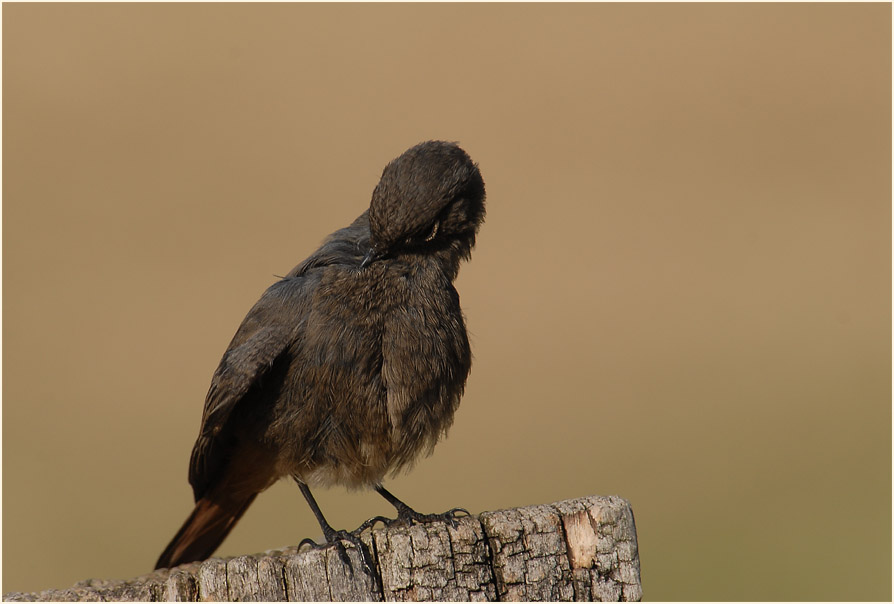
(336, 539)
(450, 515)
(370, 524)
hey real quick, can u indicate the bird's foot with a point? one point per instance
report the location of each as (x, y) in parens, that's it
(337, 539)
(407, 516)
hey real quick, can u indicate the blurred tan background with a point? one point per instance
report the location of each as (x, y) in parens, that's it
(681, 295)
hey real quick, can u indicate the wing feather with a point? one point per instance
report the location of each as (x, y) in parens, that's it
(268, 330)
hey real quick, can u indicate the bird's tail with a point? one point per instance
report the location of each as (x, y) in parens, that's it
(204, 530)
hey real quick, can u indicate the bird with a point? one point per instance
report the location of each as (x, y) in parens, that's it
(351, 366)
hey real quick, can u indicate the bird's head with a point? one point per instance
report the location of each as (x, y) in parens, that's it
(430, 197)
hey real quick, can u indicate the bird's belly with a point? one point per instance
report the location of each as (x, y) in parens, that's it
(353, 439)
(363, 470)
(348, 451)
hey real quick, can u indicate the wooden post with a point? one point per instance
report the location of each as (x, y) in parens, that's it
(581, 549)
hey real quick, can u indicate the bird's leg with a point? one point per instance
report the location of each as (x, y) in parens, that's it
(407, 515)
(334, 537)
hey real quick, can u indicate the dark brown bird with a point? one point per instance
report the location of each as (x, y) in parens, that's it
(352, 365)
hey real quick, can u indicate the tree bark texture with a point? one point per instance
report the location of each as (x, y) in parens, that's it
(581, 549)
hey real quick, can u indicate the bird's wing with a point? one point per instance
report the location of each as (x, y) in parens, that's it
(265, 334)
(269, 329)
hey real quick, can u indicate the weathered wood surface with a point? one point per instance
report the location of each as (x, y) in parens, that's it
(580, 549)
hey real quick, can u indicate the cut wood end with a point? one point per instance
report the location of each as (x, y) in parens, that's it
(582, 539)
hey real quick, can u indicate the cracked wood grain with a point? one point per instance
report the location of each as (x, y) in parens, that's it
(575, 550)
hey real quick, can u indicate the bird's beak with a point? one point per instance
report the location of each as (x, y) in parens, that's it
(371, 255)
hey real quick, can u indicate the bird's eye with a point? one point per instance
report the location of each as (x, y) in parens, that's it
(417, 239)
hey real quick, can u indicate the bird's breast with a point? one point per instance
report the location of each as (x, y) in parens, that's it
(376, 375)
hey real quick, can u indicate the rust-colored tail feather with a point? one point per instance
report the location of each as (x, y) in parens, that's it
(204, 530)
